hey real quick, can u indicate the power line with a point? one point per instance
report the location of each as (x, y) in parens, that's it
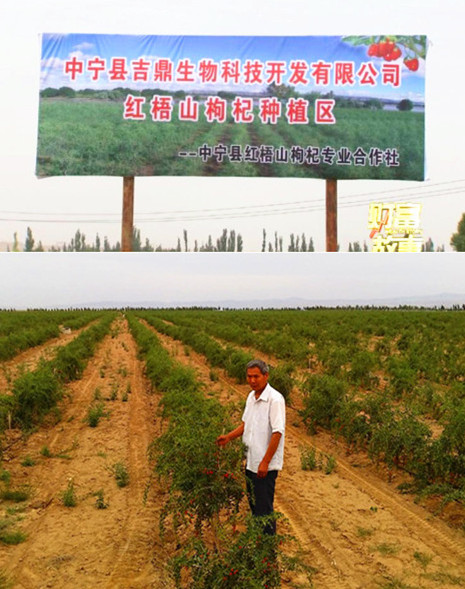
(269, 209)
(225, 209)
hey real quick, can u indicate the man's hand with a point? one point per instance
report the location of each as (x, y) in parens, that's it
(225, 438)
(222, 440)
(272, 447)
(262, 469)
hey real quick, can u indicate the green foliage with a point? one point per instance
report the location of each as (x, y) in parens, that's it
(28, 461)
(15, 495)
(12, 537)
(204, 481)
(418, 355)
(308, 459)
(100, 502)
(324, 396)
(203, 478)
(7, 405)
(95, 413)
(70, 362)
(453, 435)
(37, 392)
(405, 105)
(20, 330)
(353, 423)
(68, 496)
(361, 367)
(330, 464)
(236, 363)
(403, 377)
(281, 379)
(121, 474)
(9, 535)
(401, 440)
(45, 452)
(249, 560)
(364, 532)
(457, 240)
(422, 558)
(114, 391)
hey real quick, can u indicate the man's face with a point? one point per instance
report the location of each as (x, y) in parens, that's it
(257, 381)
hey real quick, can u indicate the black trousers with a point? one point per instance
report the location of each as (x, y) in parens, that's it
(260, 493)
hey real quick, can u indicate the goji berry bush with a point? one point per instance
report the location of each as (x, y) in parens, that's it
(376, 378)
(205, 485)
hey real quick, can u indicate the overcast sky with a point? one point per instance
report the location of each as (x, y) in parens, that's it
(57, 280)
(56, 207)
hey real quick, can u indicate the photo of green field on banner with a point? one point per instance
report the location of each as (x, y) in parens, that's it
(314, 107)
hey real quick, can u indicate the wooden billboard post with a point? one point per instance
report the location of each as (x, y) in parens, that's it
(331, 215)
(128, 214)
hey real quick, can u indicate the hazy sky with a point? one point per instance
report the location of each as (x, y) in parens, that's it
(56, 207)
(50, 280)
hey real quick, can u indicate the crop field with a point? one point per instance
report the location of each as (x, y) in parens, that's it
(110, 475)
(90, 137)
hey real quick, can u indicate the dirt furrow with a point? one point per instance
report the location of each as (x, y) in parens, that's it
(442, 539)
(84, 546)
(28, 360)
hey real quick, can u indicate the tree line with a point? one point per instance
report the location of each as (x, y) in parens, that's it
(228, 241)
(281, 91)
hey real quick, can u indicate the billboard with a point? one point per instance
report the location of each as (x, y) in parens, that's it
(317, 107)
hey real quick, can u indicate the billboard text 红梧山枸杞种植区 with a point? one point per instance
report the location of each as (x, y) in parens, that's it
(317, 107)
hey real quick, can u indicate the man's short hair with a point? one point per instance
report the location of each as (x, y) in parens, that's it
(260, 364)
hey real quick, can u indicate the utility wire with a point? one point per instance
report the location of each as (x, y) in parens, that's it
(244, 211)
(409, 189)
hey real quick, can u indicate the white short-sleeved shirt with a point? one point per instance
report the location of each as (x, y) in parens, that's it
(262, 417)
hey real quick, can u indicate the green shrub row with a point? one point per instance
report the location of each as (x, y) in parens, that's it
(408, 345)
(36, 392)
(391, 433)
(186, 454)
(419, 355)
(204, 482)
(229, 358)
(20, 330)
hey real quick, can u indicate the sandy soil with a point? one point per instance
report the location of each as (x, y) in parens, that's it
(85, 547)
(354, 527)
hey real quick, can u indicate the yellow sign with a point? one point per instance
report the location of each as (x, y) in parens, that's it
(395, 227)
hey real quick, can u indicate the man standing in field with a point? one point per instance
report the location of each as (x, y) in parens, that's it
(262, 431)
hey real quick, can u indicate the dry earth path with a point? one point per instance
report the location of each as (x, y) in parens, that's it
(84, 547)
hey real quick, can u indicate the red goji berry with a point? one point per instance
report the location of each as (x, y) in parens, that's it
(412, 64)
(373, 50)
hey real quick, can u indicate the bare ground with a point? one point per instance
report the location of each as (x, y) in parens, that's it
(355, 529)
(85, 547)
